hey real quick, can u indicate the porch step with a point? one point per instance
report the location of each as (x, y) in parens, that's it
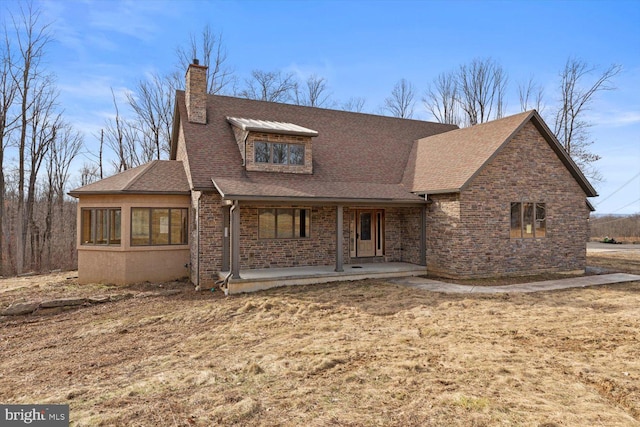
(256, 280)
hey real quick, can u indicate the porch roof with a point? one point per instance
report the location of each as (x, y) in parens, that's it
(312, 190)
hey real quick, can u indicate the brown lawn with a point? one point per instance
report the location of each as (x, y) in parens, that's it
(350, 354)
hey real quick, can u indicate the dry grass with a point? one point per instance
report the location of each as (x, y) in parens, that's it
(351, 354)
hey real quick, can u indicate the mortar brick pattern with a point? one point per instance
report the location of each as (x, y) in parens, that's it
(468, 233)
(251, 165)
(402, 238)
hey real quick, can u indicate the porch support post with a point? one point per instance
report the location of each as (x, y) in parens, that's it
(235, 240)
(339, 238)
(423, 235)
(226, 238)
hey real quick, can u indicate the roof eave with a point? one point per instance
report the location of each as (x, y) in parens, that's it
(324, 200)
(78, 194)
(439, 191)
(564, 157)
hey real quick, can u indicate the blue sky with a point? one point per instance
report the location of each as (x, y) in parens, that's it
(362, 48)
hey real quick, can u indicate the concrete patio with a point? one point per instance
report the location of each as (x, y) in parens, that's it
(255, 280)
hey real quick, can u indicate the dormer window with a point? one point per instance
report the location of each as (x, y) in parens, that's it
(278, 153)
(268, 146)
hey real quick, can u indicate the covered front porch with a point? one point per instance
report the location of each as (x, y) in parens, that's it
(265, 278)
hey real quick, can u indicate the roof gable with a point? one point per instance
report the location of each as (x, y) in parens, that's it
(448, 162)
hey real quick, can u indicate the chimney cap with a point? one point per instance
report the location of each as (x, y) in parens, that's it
(196, 61)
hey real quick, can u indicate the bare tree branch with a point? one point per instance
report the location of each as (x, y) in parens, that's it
(441, 99)
(314, 92)
(530, 96)
(355, 104)
(577, 95)
(402, 100)
(272, 86)
(482, 86)
(212, 53)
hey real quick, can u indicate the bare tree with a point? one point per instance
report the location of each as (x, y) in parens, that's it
(355, 104)
(272, 86)
(212, 53)
(481, 85)
(31, 40)
(577, 94)
(152, 105)
(8, 90)
(401, 102)
(441, 99)
(313, 93)
(122, 137)
(63, 150)
(530, 95)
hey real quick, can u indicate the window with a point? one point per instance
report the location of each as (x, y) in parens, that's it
(284, 223)
(159, 226)
(100, 226)
(528, 220)
(278, 153)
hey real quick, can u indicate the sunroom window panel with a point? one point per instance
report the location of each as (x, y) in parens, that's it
(87, 216)
(178, 226)
(101, 226)
(160, 226)
(140, 226)
(114, 226)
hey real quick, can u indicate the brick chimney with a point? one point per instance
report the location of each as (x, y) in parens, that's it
(196, 93)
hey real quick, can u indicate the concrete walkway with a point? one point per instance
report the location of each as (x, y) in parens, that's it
(548, 285)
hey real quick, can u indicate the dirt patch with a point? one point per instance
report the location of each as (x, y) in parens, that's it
(361, 353)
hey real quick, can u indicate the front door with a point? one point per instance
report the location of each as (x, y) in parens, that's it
(367, 235)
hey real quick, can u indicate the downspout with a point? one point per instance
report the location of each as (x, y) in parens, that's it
(198, 243)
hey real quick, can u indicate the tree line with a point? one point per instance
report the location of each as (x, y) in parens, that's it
(37, 220)
(621, 228)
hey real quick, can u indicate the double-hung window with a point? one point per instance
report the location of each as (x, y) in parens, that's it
(528, 220)
(100, 226)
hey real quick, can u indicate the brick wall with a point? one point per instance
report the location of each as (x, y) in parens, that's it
(251, 165)
(196, 94)
(469, 234)
(402, 238)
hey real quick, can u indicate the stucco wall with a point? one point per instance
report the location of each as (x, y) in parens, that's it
(469, 233)
(124, 264)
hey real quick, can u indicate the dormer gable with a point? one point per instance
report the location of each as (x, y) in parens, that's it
(270, 146)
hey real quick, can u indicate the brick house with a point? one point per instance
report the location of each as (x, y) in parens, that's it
(257, 185)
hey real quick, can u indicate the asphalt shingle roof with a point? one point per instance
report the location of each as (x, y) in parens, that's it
(158, 176)
(352, 153)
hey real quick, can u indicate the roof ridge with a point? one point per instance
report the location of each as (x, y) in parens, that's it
(145, 168)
